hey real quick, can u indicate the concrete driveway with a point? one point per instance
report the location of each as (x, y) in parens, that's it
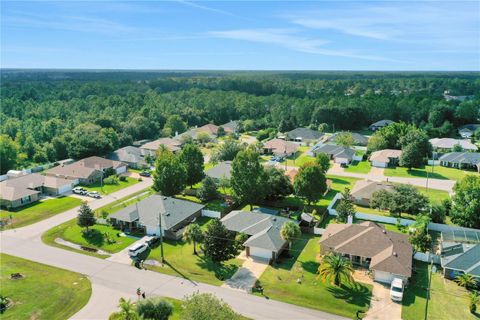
(246, 276)
(381, 306)
(122, 256)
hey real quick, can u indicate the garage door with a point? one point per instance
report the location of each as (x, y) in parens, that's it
(121, 169)
(384, 277)
(379, 164)
(260, 253)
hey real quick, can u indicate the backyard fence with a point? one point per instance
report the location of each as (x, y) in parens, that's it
(318, 231)
(211, 214)
(427, 257)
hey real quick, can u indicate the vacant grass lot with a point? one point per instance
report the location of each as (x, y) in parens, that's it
(38, 211)
(44, 293)
(447, 301)
(280, 283)
(180, 261)
(110, 188)
(436, 172)
(359, 167)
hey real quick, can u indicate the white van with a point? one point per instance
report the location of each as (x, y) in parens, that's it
(136, 249)
(396, 290)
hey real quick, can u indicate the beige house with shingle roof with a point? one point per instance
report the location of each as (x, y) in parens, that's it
(363, 191)
(385, 158)
(280, 147)
(171, 144)
(20, 191)
(388, 254)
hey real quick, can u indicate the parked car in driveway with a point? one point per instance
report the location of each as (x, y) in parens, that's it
(136, 249)
(94, 194)
(79, 190)
(145, 174)
(396, 290)
(152, 241)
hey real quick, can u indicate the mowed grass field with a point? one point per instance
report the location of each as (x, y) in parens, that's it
(110, 188)
(38, 211)
(44, 293)
(434, 172)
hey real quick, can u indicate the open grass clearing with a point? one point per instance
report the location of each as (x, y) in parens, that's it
(280, 283)
(434, 172)
(110, 188)
(44, 293)
(38, 211)
(359, 167)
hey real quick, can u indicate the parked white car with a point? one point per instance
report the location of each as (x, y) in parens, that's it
(396, 290)
(136, 249)
(94, 194)
(79, 190)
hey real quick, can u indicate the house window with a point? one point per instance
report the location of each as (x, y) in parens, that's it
(25, 199)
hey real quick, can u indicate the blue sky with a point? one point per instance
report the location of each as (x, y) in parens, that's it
(260, 35)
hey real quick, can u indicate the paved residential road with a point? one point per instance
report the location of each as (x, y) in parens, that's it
(112, 280)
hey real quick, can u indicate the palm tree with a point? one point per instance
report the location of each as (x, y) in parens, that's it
(334, 267)
(289, 232)
(474, 300)
(465, 280)
(193, 233)
(127, 311)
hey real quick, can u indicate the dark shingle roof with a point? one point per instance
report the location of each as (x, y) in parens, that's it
(131, 154)
(334, 150)
(221, 170)
(304, 133)
(382, 123)
(359, 139)
(472, 158)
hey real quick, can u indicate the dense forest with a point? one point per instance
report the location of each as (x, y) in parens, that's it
(53, 115)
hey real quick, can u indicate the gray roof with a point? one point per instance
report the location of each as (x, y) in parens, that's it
(334, 151)
(449, 143)
(304, 134)
(131, 154)
(263, 228)
(146, 211)
(231, 126)
(471, 158)
(359, 139)
(382, 123)
(471, 127)
(464, 257)
(221, 170)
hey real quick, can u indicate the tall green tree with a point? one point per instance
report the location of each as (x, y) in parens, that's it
(192, 159)
(466, 202)
(248, 177)
(419, 236)
(277, 184)
(335, 268)
(170, 175)
(85, 218)
(345, 139)
(219, 243)
(176, 124)
(9, 151)
(208, 190)
(310, 182)
(290, 231)
(415, 148)
(345, 207)
(154, 308)
(193, 234)
(323, 160)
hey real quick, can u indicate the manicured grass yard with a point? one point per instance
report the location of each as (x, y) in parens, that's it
(447, 301)
(182, 262)
(44, 293)
(359, 167)
(280, 283)
(436, 172)
(109, 188)
(39, 210)
(300, 158)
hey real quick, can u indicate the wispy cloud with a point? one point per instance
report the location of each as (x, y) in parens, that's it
(202, 7)
(288, 38)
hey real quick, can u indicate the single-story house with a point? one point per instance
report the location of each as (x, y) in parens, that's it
(134, 157)
(388, 254)
(449, 97)
(358, 139)
(385, 158)
(209, 128)
(88, 170)
(153, 146)
(339, 154)
(280, 147)
(221, 170)
(231, 126)
(364, 189)
(144, 215)
(442, 145)
(458, 258)
(380, 124)
(264, 230)
(461, 160)
(303, 135)
(467, 131)
(25, 189)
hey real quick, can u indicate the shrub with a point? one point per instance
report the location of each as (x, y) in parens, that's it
(122, 178)
(208, 190)
(154, 308)
(111, 180)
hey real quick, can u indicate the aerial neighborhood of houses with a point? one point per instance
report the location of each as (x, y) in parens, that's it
(373, 211)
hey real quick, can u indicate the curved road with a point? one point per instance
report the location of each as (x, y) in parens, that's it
(111, 280)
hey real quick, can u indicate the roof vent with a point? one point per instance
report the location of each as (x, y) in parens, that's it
(384, 231)
(395, 254)
(164, 198)
(167, 214)
(274, 219)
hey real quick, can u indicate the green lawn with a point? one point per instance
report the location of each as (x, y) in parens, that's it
(447, 301)
(359, 167)
(280, 283)
(183, 263)
(299, 159)
(44, 293)
(109, 188)
(39, 210)
(436, 172)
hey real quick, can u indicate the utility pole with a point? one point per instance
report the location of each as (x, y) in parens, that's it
(162, 258)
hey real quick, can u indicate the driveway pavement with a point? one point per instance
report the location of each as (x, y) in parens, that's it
(381, 306)
(246, 276)
(122, 256)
